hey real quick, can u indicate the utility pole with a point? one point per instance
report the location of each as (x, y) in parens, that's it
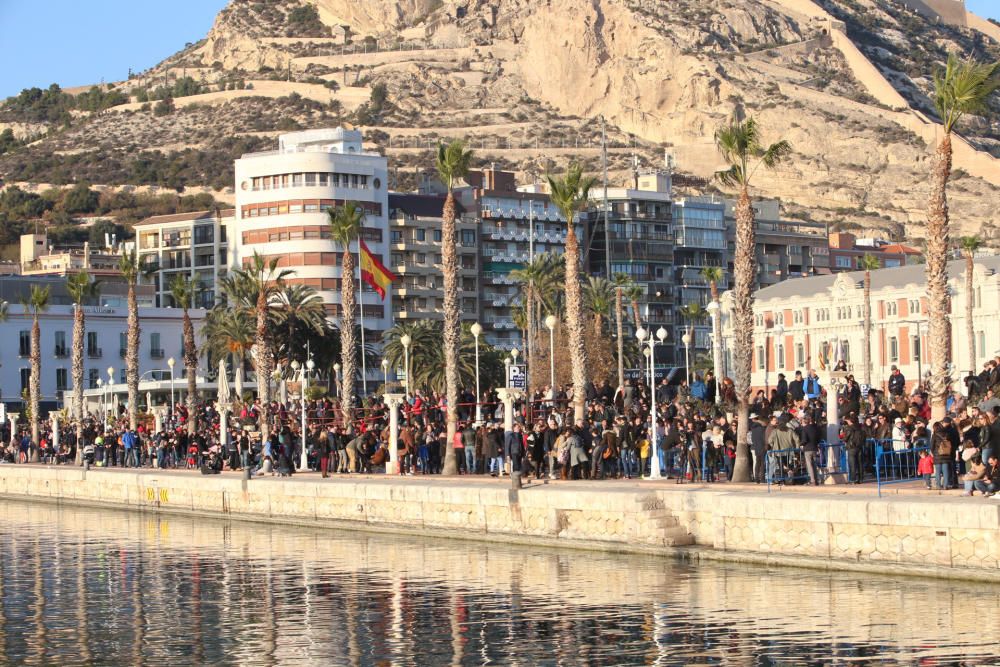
(607, 231)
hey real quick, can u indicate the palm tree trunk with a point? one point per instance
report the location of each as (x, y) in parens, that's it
(970, 329)
(574, 323)
(939, 328)
(132, 359)
(262, 366)
(34, 382)
(191, 364)
(79, 327)
(348, 346)
(636, 316)
(452, 328)
(529, 342)
(744, 271)
(620, 331)
(867, 356)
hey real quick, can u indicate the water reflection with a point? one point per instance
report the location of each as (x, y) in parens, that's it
(83, 586)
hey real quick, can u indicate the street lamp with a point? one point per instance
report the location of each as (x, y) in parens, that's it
(715, 312)
(336, 379)
(476, 330)
(104, 401)
(385, 374)
(310, 365)
(111, 390)
(686, 339)
(405, 340)
(550, 323)
(170, 363)
(647, 338)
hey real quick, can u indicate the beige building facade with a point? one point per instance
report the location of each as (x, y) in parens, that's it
(811, 323)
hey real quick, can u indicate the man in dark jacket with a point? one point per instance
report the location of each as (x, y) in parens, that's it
(758, 448)
(795, 388)
(809, 441)
(513, 447)
(854, 440)
(781, 391)
(897, 383)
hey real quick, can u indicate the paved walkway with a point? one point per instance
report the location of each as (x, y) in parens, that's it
(868, 489)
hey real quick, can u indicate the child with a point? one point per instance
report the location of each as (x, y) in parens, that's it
(925, 467)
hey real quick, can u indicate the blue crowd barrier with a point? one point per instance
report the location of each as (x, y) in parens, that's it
(896, 467)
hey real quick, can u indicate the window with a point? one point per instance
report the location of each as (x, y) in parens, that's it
(122, 344)
(92, 350)
(437, 236)
(893, 349)
(24, 344)
(122, 376)
(421, 258)
(891, 308)
(25, 379)
(800, 355)
(779, 354)
(60, 350)
(842, 262)
(61, 379)
(204, 234)
(155, 351)
(760, 358)
(981, 343)
(296, 180)
(396, 236)
(419, 234)
(92, 376)
(914, 305)
(916, 346)
(758, 320)
(468, 237)
(846, 347)
(310, 179)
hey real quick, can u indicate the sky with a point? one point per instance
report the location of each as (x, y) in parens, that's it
(73, 42)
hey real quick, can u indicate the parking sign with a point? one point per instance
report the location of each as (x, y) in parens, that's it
(516, 376)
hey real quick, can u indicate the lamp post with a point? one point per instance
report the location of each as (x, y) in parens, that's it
(647, 338)
(336, 379)
(404, 340)
(111, 390)
(104, 403)
(385, 374)
(686, 339)
(715, 312)
(476, 330)
(550, 323)
(309, 366)
(170, 364)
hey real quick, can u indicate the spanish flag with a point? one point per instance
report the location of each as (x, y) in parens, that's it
(373, 272)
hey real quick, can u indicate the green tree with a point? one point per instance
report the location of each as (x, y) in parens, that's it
(36, 302)
(345, 226)
(570, 194)
(453, 161)
(741, 148)
(81, 287)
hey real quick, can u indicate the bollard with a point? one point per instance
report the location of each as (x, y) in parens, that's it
(246, 473)
(515, 480)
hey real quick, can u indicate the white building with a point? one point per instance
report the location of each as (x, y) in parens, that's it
(807, 323)
(104, 348)
(282, 198)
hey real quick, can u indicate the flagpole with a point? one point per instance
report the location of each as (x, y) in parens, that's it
(361, 311)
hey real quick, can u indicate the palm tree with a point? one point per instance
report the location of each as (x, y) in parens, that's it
(963, 87)
(621, 282)
(228, 332)
(453, 162)
(261, 283)
(713, 276)
(37, 302)
(740, 145)
(128, 265)
(183, 291)
(80, 287)
(868, 263)
(424, 337)
(345, 226)
(634, 293)
(692, 312)
(300, 310)
(537, 279)
(570, 194)
(599, 296)
(969, 246)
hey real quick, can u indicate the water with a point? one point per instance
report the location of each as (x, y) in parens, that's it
(108, 587)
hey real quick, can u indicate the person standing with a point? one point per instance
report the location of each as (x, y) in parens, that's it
(809, 441)
(854, 439)
(897, 383)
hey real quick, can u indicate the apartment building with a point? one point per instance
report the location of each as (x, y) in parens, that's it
(785, 248)
(194, 244)
(846, 250)
(515, 223)
(415, 257)
(38, 258)
(811, 323)
(282, 198)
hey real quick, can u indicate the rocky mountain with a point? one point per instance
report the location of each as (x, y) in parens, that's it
(847, 82)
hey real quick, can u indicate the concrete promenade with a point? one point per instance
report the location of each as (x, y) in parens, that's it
(909, 531)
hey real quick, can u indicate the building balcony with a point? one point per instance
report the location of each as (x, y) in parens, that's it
(95, 353)
(156, 354)
(60, 352)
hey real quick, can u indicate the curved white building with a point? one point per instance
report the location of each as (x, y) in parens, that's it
(282, 198)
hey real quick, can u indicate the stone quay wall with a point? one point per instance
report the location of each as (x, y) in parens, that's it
(926, 535)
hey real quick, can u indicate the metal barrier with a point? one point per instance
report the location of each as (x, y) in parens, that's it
(896, 467)
(784, 465)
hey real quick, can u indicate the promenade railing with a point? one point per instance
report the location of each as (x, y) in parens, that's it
(894, 466)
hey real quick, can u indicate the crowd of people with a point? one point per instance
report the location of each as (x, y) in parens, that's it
(696, 435)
